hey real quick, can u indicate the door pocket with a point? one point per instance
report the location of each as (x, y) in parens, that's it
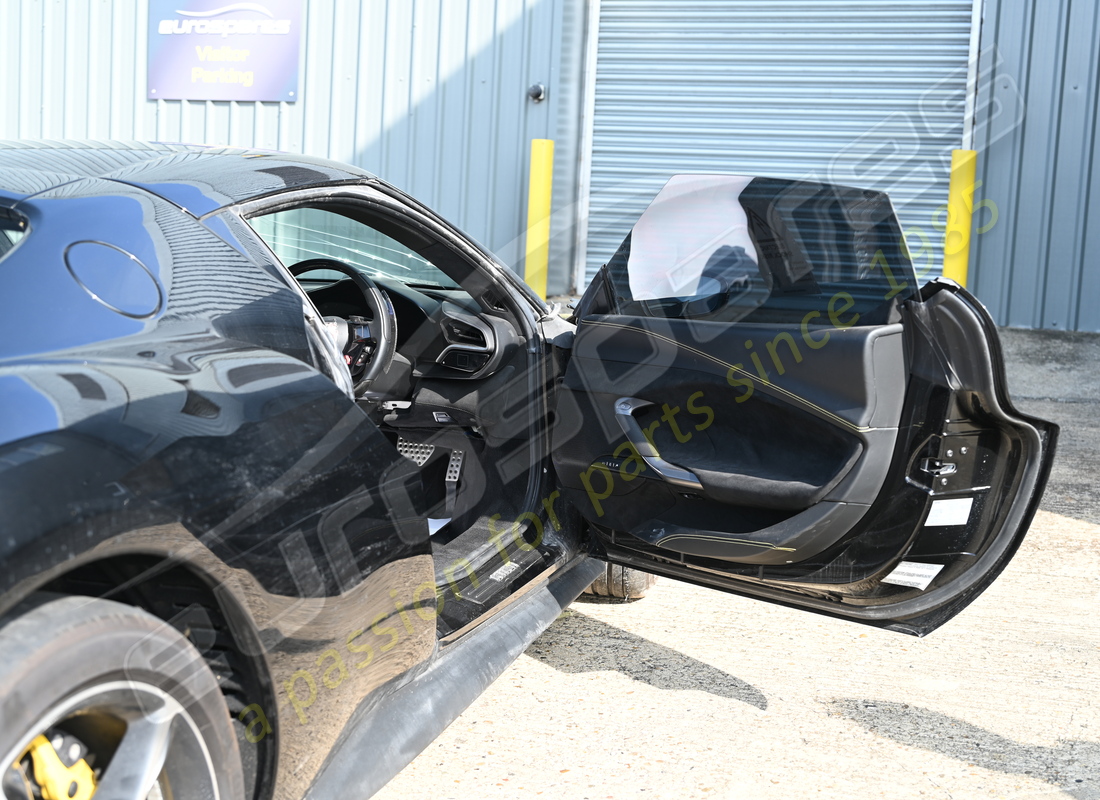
(757, 454)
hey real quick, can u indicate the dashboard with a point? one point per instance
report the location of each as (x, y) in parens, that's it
(441, 333)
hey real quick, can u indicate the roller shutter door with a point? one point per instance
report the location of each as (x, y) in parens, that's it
(862, 93)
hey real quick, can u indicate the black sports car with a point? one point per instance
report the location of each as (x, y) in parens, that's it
(291, 469)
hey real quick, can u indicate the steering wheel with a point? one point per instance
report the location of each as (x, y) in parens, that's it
(369, 344)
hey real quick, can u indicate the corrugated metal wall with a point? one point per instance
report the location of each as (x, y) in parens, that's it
(428, 94)
(860, 92)
(1039, 265)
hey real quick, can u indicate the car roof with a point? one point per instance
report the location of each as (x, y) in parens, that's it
(197, 178)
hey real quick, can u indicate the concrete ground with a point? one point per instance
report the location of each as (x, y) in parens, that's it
(691, 693)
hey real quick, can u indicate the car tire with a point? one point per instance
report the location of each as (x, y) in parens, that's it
(120, 686)
(622, 583)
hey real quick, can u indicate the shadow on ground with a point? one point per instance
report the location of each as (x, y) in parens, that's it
(1054, 375)
(1073, 767)
(578, 643)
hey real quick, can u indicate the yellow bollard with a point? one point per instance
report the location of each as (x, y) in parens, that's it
(538, 214)
(960, 210)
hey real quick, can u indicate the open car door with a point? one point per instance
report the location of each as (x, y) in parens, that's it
(760, 398)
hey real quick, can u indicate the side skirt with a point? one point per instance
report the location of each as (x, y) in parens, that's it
(384, 736)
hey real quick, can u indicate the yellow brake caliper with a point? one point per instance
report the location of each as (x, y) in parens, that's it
(54, 779)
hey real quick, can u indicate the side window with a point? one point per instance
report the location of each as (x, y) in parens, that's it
(301, 234)
(742, 249)
(12, 230)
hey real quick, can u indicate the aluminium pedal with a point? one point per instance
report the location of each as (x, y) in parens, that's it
(416, 452)
(454, 471)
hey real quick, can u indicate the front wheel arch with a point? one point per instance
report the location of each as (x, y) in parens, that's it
(146, 582)
(127, 685)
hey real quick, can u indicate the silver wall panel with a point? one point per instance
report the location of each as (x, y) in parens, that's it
(1038, 163)
(860, 92)
(428, 94)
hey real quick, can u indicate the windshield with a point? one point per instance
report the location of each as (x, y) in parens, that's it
(301, 234)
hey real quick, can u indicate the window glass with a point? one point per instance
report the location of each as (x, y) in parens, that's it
(301, 234)
(736, 248)
(12, 231)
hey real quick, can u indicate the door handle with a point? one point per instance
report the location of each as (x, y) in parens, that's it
(670, 473)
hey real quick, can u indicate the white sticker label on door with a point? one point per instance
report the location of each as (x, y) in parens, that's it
(910, 573)
(949, 512)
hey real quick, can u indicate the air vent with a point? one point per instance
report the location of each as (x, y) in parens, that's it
(88, 388)
(492, 299)
(460, 333)
(465, 361)
(198, 406)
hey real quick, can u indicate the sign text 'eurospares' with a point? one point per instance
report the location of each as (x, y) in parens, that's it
(217, 50)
